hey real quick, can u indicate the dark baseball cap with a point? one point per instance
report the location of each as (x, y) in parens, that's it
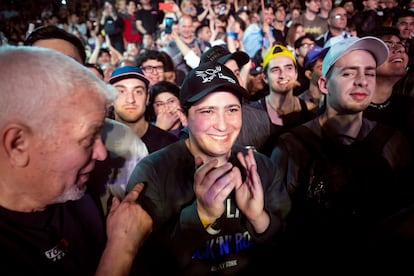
(128, 72)
(208, 78)
(222, 55)
(313, 55)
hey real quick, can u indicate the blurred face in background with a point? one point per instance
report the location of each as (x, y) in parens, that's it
(396, 64)
(186, 27)
(268, 16)
(154, 70)
(338, 19)
(406, 27)
(280, 14)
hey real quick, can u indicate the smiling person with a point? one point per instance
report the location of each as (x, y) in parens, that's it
(215, 205)
(387, 105)
(345, 174)
(284, 109)
(49, 223)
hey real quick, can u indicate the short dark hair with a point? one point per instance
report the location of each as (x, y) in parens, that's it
(52, 31)
(167, 61)
(96, 66)
(155, 90)
(402, 13)
(299, 41)
(149, 54)
(199, 28)
(383, 31)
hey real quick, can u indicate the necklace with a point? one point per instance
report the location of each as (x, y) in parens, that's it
(283, 110)
(380, 106)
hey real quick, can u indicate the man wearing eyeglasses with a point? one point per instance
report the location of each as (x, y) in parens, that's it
(302, 46)
(336, 21)
(151, 64)
(387, 105)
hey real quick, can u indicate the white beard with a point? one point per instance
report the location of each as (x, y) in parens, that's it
(72, 194)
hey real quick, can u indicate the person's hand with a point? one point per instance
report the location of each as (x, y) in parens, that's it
(98, 40)
(212, 185)
(196, 50)
(167, 117)
(249, 195)
(128, 224)
(183, 117)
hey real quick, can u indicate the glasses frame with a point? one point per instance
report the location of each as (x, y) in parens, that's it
(151, 69)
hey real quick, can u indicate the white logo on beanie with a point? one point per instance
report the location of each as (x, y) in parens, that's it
(211, 73)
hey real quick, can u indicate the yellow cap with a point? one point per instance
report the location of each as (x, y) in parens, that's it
(276, 51)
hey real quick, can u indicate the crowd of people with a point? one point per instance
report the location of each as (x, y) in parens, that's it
(206, 137)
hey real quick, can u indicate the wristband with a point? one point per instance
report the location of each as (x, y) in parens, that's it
(232, 34)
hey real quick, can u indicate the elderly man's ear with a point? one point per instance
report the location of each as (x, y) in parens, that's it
(15, 140)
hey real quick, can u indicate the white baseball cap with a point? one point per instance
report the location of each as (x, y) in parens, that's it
(339, 48)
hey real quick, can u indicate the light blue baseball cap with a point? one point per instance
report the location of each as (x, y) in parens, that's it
(338, 49)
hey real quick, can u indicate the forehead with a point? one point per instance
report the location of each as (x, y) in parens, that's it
(152, 62)
(390, 37)
(131, 82)
(165, 95)
(338, 10)
(280, 61)
(356, 58)
(307, 40)
(217, 98)
(406, 19)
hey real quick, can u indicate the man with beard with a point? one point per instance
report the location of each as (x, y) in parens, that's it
(285, 110)
(49, 222)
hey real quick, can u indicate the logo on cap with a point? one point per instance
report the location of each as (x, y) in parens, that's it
(208, 75)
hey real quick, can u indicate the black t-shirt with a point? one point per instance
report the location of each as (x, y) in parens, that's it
(150, 19)
(156, 138)
(179, 242)
(64, 239)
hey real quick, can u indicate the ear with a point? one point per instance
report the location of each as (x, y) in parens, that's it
(308, 74)
(322, 85)
(265, 78)
(15, 139)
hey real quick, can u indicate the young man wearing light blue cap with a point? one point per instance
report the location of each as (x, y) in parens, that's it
(341, 169)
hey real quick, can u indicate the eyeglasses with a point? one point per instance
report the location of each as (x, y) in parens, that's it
(339, 16)
(307, 45)
(151, 69)
(395, 45)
